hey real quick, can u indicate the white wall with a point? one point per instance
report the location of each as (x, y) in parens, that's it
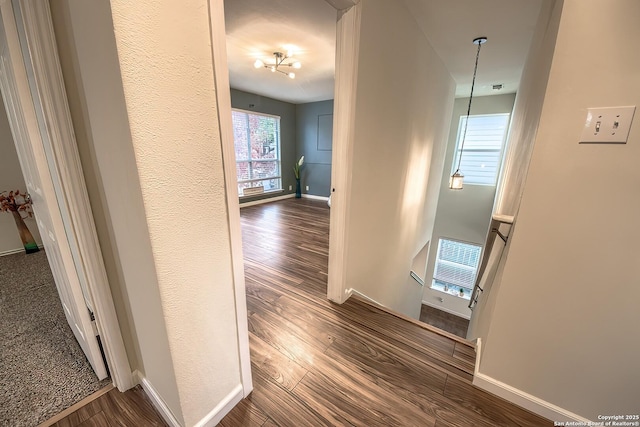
(564, 326)
(462, 215)
(400, 132)
(521, 139)
(11, 179)
(164, 49)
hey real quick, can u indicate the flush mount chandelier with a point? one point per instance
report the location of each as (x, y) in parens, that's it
(281, 61)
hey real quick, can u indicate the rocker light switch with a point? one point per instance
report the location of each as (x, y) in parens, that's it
(609, 125)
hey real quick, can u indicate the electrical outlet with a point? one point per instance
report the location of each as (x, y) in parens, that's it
(307, 188)
(607, 125)
(290, 187)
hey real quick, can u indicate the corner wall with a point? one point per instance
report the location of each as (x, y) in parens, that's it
(166, 62)
(564, 328)
(314, 129)
(400, 132)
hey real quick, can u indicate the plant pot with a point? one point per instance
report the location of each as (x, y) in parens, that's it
(298, 189)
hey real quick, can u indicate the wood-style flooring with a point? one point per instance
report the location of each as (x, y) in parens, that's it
(316, 363)
(443, 320)
(114, 409)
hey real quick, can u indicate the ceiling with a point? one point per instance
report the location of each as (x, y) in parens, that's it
(257, 28)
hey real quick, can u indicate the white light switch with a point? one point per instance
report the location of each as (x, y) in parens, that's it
(607, 125)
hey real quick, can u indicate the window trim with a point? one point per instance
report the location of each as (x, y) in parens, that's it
(435, 265)
(278, 158)
(456, 151)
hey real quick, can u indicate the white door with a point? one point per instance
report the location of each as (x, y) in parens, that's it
(42, 183)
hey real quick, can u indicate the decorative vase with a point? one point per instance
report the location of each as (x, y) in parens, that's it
(30, 245)
(298, 189)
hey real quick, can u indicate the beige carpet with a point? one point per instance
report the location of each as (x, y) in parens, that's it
(42, 368)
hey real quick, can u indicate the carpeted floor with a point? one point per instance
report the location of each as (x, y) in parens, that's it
(42, 368)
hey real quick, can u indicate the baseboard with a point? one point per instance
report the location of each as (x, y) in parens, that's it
(218, 413)
(17, 251)
(519, 397)
(314, 197)
(265, 200)
(363, 296)
(210, 420)
(446, 310)
(156, 400)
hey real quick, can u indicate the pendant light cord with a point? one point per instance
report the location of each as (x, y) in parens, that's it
(466, 123)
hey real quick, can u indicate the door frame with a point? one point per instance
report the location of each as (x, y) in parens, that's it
(49, 97)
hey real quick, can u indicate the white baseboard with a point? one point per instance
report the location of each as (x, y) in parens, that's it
(16, 251)
(311, 196)
(156, 400)
(363, 296)
(217, 414)
(210, 420)
(519, 397)
(447, 310)
(266, 200)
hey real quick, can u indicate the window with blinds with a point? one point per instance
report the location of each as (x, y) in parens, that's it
(456, 267)
(483, 144)
(257, 146)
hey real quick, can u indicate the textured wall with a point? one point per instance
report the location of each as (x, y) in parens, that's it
(313, 140)
(565, 322)
(166, 63)
(400, 131)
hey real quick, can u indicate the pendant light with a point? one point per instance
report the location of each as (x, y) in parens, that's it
(456, 180)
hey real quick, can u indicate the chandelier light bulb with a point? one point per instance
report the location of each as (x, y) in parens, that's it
(279, 62)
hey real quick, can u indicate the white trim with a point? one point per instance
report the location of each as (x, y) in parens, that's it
(223, 408)
(352, 291)
(266, 200)
(519, 397)
(223, 95)
(314, 197)
(52, 96)
(16, 251)
(346, 74)
(447, 310)
(157, 401)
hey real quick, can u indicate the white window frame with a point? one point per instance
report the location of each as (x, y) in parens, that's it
(454, 286)
(250, 161)
(468, 179)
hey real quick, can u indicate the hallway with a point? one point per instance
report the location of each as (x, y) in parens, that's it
(317, 363)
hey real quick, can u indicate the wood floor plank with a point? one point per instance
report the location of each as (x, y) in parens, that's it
(274, 364)
(97, 420)
(334, 399)
(499, 411)
(281, 406)
(245, 414)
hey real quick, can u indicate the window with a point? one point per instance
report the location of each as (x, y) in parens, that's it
(257, 144)
(482, 152)
(456, 267)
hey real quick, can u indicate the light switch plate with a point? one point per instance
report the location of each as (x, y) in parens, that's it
(610, 125)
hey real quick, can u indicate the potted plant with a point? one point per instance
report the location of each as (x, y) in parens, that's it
(19, 203)
(461, 292)
(296, 172)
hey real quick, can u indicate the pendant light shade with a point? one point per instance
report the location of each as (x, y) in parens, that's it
(456, 180)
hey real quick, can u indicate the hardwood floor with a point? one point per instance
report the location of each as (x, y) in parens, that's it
(114, 409)
(443, 320)
(316, 363)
